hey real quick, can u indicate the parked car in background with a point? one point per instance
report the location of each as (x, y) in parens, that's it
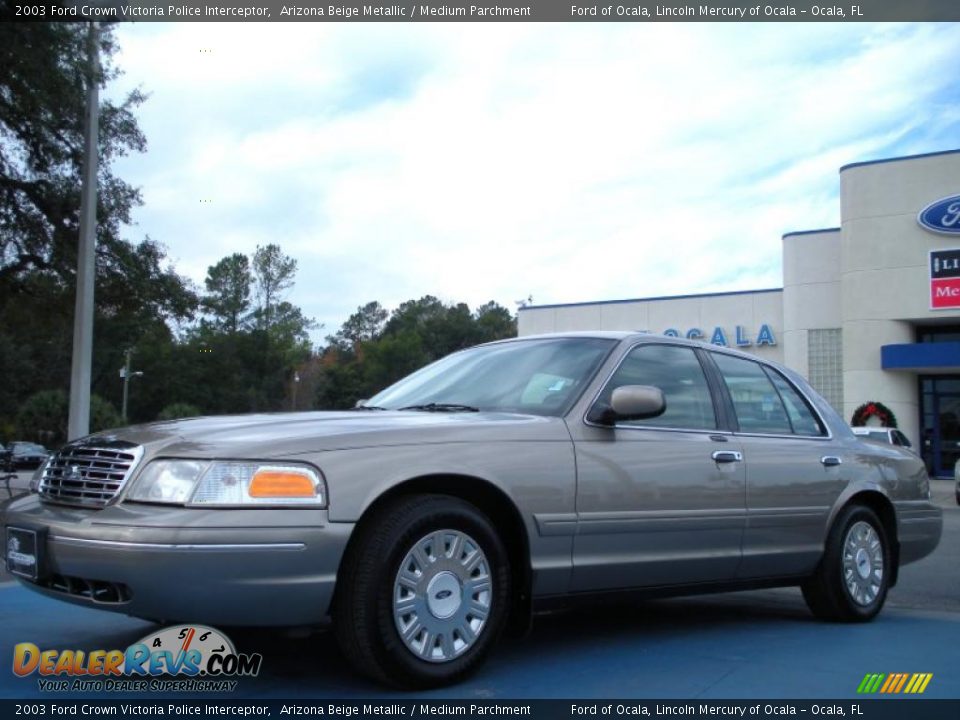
(956, 480)
(883, 434)
(27, 455)
(497, 480)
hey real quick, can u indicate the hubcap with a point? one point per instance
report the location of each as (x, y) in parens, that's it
(863, 563)
(442, 595)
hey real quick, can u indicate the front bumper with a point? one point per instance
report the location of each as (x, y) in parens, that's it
(258, 567)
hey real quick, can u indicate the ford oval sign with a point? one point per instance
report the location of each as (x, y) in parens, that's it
(942, 216)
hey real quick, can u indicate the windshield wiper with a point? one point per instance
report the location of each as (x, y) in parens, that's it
(442, 407)
(367, 407)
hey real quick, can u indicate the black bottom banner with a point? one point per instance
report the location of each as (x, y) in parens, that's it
(857, 709)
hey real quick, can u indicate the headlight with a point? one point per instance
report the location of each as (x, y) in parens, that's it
(168, 481)
(231, 483)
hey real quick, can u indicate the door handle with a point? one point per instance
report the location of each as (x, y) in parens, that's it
(726, 456)
(830, 460)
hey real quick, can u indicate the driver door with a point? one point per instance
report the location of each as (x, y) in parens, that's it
(660, 501)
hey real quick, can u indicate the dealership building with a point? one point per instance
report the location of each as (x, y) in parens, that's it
(869, 311)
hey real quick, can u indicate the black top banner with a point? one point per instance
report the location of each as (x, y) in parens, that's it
(487, 11)
(407, 707)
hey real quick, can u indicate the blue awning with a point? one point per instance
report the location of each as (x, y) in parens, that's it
(942, 357)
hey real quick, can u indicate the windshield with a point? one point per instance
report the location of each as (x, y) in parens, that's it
(540, 377)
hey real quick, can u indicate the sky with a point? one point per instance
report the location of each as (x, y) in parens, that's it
(473, 162)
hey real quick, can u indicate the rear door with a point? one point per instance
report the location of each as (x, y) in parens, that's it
(794, 471)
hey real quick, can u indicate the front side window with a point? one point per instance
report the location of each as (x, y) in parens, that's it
(677, 372)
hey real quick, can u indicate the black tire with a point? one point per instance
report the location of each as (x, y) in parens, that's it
(363, 612)
(828, 593)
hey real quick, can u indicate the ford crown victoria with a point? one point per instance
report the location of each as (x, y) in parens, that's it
(455, 502)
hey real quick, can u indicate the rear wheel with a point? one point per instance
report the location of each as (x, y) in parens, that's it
(422, 595)
(851, 582)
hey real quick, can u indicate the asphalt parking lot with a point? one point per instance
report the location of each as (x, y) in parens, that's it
(761, 644)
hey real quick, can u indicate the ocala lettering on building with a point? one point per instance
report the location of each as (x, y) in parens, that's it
(741, 337)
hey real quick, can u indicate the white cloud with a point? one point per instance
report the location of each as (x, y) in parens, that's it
(474, 162)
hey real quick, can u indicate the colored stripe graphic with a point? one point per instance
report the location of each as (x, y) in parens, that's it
(870, 683)
(891, 682)
(918, 683)
(907, 683)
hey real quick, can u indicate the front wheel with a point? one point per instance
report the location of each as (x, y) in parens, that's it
(423, 593)
(851, 582)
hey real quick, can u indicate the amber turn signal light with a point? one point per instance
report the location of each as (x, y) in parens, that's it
(277, 484)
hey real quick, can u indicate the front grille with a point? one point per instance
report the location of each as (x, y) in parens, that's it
(88, 475)
(99, 591)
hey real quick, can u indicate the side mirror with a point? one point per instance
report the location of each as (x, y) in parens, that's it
(630, 402)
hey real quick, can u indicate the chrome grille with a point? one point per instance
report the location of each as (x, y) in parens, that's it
(88, 475)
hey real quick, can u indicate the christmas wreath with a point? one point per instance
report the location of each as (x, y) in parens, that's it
(873, 409)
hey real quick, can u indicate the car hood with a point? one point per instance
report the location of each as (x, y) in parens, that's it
(286, 434)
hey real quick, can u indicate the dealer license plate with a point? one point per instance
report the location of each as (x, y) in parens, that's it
(23, 552)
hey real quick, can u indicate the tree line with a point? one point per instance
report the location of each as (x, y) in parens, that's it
(234, 345)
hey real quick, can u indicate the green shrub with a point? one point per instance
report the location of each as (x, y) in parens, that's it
(175, 411)
(43, 417)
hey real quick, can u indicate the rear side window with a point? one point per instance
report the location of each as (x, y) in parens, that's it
(678, 373)
(764, 401)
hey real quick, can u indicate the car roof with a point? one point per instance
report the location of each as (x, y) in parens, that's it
(639, 336)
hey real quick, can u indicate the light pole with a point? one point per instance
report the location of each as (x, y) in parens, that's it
(79, 417)
(296, 384)
(126, 374)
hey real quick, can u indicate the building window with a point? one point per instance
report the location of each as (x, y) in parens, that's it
(938, 334)
(825, 364)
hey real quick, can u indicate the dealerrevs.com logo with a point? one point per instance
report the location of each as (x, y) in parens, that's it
(184, 658)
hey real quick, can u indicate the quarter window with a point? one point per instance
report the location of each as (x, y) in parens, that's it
(802, 419)
(677, 372)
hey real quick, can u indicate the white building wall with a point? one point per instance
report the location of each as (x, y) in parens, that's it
(885, 275)
(748, 310)
(811, 291)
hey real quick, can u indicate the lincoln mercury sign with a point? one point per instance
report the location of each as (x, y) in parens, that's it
(944, 279)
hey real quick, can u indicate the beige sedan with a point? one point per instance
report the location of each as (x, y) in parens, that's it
(454, 503)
